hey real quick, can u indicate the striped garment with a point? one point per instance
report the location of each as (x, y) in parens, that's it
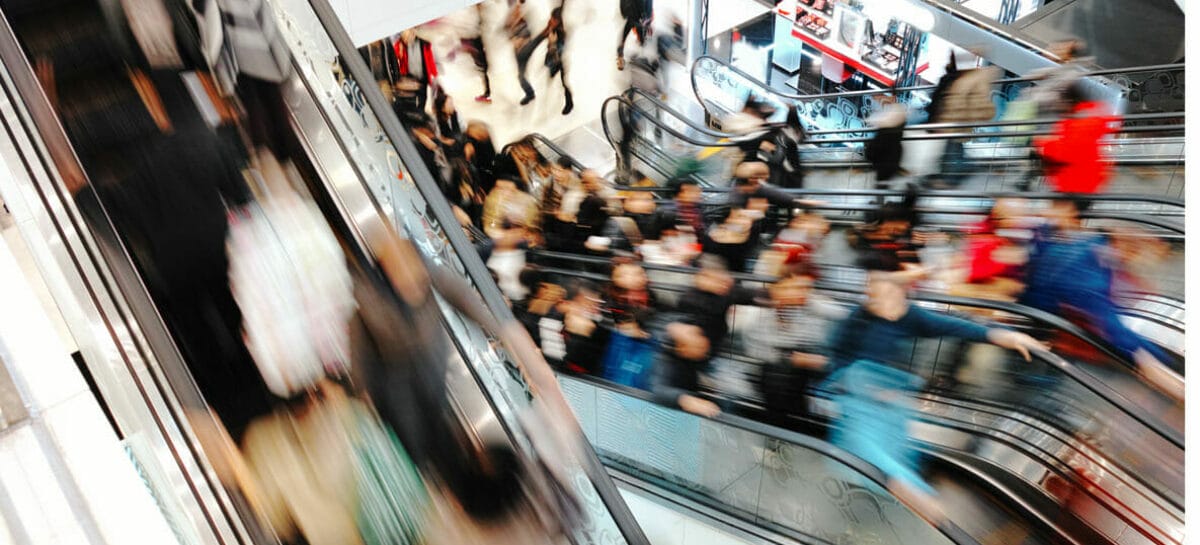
(774, 333)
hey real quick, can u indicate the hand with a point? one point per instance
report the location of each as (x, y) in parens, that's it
(1012, 340)
(697, 406)
(579, 324)
(1159, 375)
(925, 505)
(809, 361)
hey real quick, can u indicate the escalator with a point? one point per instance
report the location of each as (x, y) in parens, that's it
(133, 343)
(721, 88)
(1022, 434)
(1155, 315)
(356, 166)
(660, 133)
(1117, 34)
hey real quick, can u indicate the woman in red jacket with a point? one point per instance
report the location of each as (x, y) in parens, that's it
(1072, 156)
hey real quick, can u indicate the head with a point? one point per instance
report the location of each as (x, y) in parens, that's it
(887, 288)
(1064, 213)
(753, 173)
(792, 289)
(478, 130)
(687, 191)
(562, 170)
(591, 180)
(639, 202)
(714, 276)
(629, 275)
(690, 342)
(1007, 214)
(583, 296)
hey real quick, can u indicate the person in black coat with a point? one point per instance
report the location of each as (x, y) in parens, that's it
(707, 302)
(638, 14)
(885, 149)
(684, 356)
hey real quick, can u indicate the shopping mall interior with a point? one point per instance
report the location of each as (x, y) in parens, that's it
(644, 272)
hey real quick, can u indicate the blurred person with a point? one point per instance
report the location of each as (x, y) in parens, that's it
(873, 329)
(787, 166)
(875, 399)
(788, 335)
(592, 213)
(707, 302)
(1072, 156)
(580, 296)
(506, 259)
(685, 208)
(685, 354)
(446, 115)
(889, 236)
(961, 96)
(750, 181)
(481, 152)
(529, 166)
(795, 244)
(885, 150)
(996, 253)
(628, 291)
(551, 192)
(639, 18)
(555, 35)
(735, 237)
(473, 45)
(1070, 273)
(584, 336)
(418, 70)
(640, 221)
(546, 297)
(507, 203)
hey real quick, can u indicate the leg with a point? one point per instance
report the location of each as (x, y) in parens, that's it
(630, 25)
(522, 63)
(562, 74)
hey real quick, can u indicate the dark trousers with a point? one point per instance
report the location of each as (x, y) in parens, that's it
(630, 26)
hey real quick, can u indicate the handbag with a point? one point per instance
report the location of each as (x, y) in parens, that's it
(393, 503)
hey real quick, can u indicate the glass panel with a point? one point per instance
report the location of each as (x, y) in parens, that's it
(375, 156)
(764, 480)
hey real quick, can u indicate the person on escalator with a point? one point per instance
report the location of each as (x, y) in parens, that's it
(886, 148)
(1070, 273)
(788, 335)
(873, 394)
(707, 303)
(1072, 156)
(685, 354)
(874, 329)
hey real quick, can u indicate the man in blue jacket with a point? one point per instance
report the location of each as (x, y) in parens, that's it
(1070, 273)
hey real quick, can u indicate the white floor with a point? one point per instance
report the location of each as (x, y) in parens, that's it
(65, 478)
(593, 29)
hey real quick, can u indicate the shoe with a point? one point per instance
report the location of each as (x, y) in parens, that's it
(527, 99)
(621, 63)
(484, 99)
(569, 106)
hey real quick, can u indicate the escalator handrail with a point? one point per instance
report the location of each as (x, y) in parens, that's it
(1088, 381)
(946, 194)
(737, 138)
(868, 92)
(476, 270)
(951, 530)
